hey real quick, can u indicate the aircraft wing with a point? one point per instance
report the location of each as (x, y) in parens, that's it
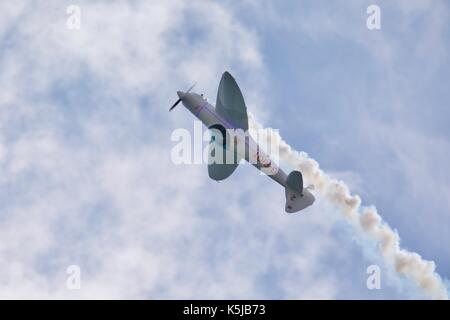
(222, 170)
(230, 102)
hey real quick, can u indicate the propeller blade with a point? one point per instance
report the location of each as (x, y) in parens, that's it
(192, 87)
(181, 95)
(175, 104)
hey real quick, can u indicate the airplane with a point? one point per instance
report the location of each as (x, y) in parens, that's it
(228, 124)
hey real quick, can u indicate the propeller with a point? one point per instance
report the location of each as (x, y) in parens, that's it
(181, 96)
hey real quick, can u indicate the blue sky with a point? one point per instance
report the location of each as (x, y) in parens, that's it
(85, 146)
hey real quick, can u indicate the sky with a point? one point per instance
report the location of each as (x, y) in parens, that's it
(86, 173)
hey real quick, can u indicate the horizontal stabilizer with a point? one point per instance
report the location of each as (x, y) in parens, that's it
(296, 201)
(297, 197)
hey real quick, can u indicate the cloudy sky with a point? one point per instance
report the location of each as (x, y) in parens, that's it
(86, 174)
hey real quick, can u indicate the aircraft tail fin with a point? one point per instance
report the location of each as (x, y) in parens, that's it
(297, 197)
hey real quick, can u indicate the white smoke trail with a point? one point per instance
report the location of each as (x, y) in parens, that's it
(365, 219)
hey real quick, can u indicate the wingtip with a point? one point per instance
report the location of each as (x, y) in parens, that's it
(227, 74)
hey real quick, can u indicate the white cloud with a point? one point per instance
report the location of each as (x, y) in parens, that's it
(87, 177)
(88, 193)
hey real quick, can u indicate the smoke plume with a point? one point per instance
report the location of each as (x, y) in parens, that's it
(365, 219)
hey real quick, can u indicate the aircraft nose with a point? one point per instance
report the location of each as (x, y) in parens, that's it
(180, 94)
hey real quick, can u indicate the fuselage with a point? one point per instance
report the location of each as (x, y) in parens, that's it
(246, 148)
